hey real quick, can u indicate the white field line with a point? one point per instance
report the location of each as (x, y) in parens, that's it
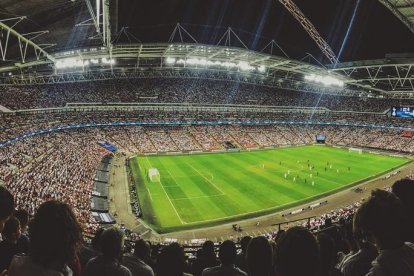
(195, 197)
(173, 178)
(169, 199)
(222, 193)
(148, 192)
(147, 187)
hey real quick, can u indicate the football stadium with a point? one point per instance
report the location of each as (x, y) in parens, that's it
(196, 137)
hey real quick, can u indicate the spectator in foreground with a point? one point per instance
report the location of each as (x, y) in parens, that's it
(6, 207)
(297, 253)
(227, 256)
(359, 263)
(381, 218)
(55, 236)
(138, 262)
(404, 190)
(171, 261)
(23, 242)
(352, 246)
(206, 257)
(8, 247)
(241, 261)
(279, 235)
(259, 257)
(327, 256)
(88, 252)
(109, 263)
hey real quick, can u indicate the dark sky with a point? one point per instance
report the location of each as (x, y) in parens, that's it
(375, 31)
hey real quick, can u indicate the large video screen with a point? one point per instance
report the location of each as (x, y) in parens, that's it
(402, 112)
(320, 137)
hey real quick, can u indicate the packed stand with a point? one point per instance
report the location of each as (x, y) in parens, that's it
(191, 91)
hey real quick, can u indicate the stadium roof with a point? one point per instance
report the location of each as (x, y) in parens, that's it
(46, 31)
(403, 9)
(67, 24)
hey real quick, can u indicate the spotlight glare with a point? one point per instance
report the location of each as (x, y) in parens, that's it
(325, 80)
(261, 69)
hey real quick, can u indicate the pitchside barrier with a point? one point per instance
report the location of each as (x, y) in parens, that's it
(310, 207)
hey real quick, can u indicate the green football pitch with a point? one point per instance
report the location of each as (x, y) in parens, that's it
(208, 189)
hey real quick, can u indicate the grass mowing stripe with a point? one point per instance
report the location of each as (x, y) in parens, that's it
(252, 182)
(209, 181)
(172, 204)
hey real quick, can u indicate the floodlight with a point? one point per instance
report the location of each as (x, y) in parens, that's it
(325, 80)
(261, 69)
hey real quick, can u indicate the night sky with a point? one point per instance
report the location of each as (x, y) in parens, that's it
(374, 33)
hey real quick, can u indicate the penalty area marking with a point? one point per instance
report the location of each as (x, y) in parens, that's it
(222, 193)
(169, 199)
(173, 178)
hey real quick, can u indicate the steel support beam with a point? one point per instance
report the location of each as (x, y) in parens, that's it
(103, 33)
(398, 14)
(23, 41)
(310, 29)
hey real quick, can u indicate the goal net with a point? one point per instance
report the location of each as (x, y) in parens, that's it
(355, 150)
(154, 175)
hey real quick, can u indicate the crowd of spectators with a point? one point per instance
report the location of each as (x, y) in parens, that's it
(47, 166)
(51, 177)
(63, 171)
(375, 240)
(191, 91)
(14, 124)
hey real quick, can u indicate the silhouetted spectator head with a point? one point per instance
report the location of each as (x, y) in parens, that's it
(227, 252)
(12, 230)
(6, 206)
(297, 253)
(350, 237)
(55, 234)
(259, 257)
(328, 222)
(404, 190)
(244, 242)
(279, 234)
(208, 249)
(112, 242)
(96, 240)
(142, 250)
(381, 217)
(171, 261)
(23, 217)
(327, 254)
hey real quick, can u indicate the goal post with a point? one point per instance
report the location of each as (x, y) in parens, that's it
(154, 175)
(357, 150)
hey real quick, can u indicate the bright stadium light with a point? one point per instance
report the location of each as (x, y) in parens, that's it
(170, 60)
(242, 65)
(69, 63)
(325, 80)
(75, 62)
(261, 69)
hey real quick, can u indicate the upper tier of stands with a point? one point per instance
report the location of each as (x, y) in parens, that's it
(195, 91)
